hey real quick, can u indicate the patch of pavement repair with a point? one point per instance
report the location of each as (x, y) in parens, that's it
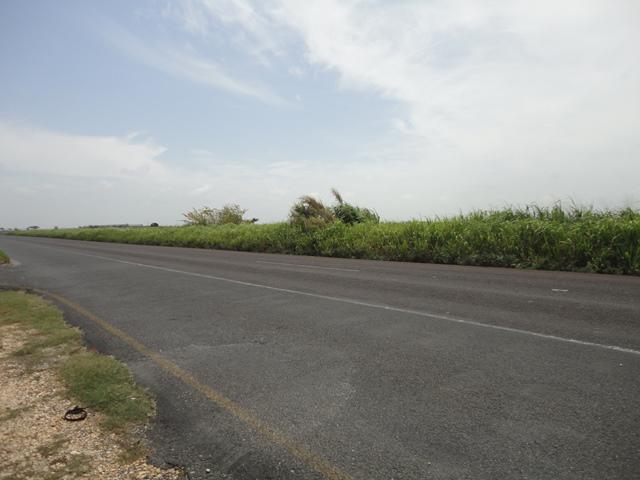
(39, 443)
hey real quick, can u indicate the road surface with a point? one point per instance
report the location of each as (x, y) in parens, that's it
(274, 366)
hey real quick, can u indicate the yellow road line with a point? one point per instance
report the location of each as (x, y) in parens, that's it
(303, 454)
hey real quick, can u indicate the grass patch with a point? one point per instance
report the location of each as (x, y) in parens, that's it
(132, 450)
(583, 240)
(77, 466)
(96, 381)
(4, 258)
(104, 384)
(39, 315)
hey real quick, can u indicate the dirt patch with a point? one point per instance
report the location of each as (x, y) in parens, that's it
(39, 443)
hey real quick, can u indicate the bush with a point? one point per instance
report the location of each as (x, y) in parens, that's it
(230, 213)
(203, 216)
(350, 214)
(310, 213)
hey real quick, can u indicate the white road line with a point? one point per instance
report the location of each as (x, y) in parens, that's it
(375, 305)
(308, 266)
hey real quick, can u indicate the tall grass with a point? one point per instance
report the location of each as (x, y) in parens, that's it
(544, 238)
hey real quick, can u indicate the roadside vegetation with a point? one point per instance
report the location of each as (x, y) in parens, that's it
(228, 214)
(309, 213)
(556, 238)
(4, 258)
(97, 381)
(46, 370)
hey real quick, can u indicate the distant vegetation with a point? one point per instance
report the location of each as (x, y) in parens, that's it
(229, 214)
(309, 212)
(575, 239)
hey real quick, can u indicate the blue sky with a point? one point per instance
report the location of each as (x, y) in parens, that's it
(135, 112)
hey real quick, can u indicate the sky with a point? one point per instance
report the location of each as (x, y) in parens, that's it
(135, 112)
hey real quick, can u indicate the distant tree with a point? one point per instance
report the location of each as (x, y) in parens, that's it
(230, 213)
(202, 216)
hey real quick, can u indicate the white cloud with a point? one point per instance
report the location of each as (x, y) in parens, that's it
(501, 102)
(296, 71)
(255, 30)
(485, 76)
(201, 190)
(64, 179)
(189, 65)
(69, 179)
(40, 151)
(493, 103)
(488, 71)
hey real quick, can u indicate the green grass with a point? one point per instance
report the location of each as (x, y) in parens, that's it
(4, 258)
(582, 240)
(96, 381)
(104, 384)
(50, 328)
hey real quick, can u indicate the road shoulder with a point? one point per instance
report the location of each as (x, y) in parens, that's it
(46, 371)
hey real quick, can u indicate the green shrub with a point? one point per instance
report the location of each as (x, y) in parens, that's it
(350, 214)
(231, 213)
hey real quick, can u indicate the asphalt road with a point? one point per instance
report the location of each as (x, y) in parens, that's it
(273, 366)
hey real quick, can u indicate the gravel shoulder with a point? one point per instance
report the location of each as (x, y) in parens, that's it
(37, 441)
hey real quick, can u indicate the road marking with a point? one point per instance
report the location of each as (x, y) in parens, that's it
(360, 303)
(299, 451)
(559, 290)
(308, 266)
